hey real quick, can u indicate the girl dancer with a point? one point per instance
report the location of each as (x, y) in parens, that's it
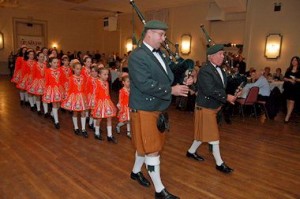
(123, 105)
(38, 83)
(104, 106)
(76, 99)
(53, 89)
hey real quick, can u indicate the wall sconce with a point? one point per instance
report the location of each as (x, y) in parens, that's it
(273, 46)
(129, 45)
(54, 45)
(186, 41)
(1, 41)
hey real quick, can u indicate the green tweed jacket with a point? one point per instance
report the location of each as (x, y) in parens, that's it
(150, 84)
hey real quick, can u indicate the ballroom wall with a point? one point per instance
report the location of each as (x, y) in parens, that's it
(82, 31)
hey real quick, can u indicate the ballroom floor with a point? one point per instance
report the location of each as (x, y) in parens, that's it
(38, 161)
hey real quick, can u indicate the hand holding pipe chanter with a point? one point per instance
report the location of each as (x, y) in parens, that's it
(231, 98)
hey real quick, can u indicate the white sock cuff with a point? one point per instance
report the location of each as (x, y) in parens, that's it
(152, 160)
(214, 142)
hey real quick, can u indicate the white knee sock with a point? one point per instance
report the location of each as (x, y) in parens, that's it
(216, 152)
(26, 96)
(120, 124)
(128, 127)
(38, 105)
(30, 98)
(97, 130)
(22, 96)
(75, 122)
(83, 121)
(109, 131)
(153, 167)
(194, 146)
(34, 99)
(91, 121)
(45, 106)
(138, 163)
(95, 123)
(55, 114)
(86, 114)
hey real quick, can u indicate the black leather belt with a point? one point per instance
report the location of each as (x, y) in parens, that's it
(198, 108)
(133, 110)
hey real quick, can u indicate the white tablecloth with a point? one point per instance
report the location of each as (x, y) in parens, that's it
(278, 84)
(273, 84)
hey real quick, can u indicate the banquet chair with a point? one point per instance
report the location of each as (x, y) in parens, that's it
(250, 100)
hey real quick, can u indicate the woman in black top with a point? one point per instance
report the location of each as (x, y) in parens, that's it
(292, 85)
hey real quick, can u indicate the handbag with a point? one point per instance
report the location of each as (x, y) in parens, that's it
(163, 122)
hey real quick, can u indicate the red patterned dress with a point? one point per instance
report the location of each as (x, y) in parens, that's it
(104, 106)
(90, 91)
(54, 90)
(76, 97)
(18, 70)
(26, 75)
(123, 103)
(38, 84)
(85, 72)
(67, 73)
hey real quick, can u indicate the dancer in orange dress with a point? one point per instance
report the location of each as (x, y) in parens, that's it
(26, 75)
(53, 89)
(18, 72)
(123, 105)
(90, 91)
(66, 72)
(86, 72)
(37, 86)
(104, 106)
(76, 98)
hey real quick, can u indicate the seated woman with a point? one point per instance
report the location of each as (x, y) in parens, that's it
(278, 76)
(267, 73)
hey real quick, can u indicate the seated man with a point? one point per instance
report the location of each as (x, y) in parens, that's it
(262, 83)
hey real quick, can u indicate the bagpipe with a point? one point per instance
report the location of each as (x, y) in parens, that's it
(181, 68)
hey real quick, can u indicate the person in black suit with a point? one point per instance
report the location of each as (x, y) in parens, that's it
(151, 92)
(211, 97)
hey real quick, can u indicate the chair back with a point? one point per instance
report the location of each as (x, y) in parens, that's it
(252, 96)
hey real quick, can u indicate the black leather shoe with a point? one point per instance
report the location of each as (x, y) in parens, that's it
(77, 132)
(112, 139)
(85, 134)
(98, 137)
(164, 194)
(194, 156)
(57, 126)
(140, 178)
(39, 113)
(47, 115)
(224, 168)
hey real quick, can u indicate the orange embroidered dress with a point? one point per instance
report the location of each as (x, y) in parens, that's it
(54, 90)
(85, 72)
(66, 73)
(38, 84)
(18, 70)
(26, 74)
(90, 91)
(104, 106)
(123, 103)
(76, 98)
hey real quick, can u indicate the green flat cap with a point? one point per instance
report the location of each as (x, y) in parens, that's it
(155, 24)
(214, 49)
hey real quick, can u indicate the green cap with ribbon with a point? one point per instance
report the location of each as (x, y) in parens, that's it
(155, 24)
(214, 49)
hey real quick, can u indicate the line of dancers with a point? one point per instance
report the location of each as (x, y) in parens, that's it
(82, 89)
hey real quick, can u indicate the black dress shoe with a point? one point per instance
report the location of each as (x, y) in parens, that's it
(77, 132)
(164, 194)
(194, 156)
(57, 126)
(47, 115)
(224, 168)
(32, 108)
(39, 113)
(85, 134)
(112, 139)
(98, 137)
(140, 178)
